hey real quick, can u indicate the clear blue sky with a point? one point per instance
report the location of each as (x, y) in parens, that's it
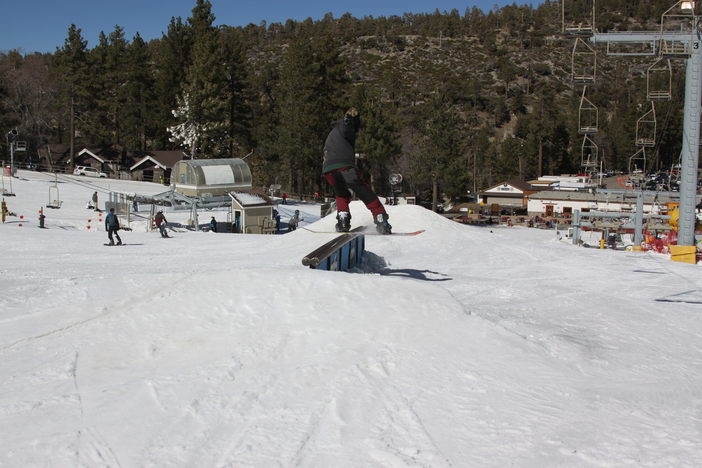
(42, 25)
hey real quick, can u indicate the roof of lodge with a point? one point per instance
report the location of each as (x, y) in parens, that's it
(516, 183)
(164, 159)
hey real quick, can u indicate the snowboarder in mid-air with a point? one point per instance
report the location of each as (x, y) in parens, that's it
(112, 226)
(340, 172)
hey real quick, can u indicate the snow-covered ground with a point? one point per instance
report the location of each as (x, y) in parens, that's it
(463, 346)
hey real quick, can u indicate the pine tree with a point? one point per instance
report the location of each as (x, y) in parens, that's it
(172, 59)
(98, 128)
(297, 107)
(442, 145)
(71, 65)
(205, 88)
(307, 99)
(238, 95)
(378, 141)
(6, 120)
(139, 91)
(116, 83)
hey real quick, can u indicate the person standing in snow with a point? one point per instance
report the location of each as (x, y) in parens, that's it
(112, 226)
(276, 216)
(160, 221)
(95, 201)
(340, 172)
(294, 221)
(213, 224)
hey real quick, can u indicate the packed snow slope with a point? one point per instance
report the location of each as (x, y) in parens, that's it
(462, 347)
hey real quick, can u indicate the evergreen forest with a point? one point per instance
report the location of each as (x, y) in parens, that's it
(454, 101)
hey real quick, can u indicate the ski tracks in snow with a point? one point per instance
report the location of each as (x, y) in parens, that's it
(402, 438)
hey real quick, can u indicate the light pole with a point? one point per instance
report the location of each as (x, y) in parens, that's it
(11, 137)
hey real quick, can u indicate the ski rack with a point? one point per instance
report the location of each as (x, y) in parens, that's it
(340, 254)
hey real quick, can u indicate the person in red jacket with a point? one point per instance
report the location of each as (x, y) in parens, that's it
(161, 221)
(340, 172)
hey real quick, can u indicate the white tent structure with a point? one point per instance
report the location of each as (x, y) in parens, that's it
(210, 177)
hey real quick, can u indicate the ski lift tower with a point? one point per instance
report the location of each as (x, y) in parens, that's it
(680, 37)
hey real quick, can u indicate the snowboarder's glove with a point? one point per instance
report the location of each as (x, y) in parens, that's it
(353, 112)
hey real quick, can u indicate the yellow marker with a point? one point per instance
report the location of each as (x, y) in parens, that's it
(683, 253)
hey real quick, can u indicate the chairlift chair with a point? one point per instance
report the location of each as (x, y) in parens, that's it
(589, 153)
(646, 129)
(583, 63)
(578, 17)
(587, 116)
(659, 81)
(54, 199)
(637, 164)
(680, 18)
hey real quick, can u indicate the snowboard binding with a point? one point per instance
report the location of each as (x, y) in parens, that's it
(343, 221)
(381, 223)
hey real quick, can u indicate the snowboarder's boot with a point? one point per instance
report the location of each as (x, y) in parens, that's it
(119, 242)
(343, 221)
(381, 223)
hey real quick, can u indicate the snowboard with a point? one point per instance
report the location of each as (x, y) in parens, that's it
(412, 233)
(115, 245)
(367, 231)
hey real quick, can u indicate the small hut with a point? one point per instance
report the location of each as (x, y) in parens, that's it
(252, 213)
(210, 177)
(155, 166)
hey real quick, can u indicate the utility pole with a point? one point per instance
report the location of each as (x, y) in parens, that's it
(11, 137)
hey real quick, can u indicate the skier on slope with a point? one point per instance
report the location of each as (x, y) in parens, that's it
(294, 221)
(112, 226)
(161, 222)
(340, 172)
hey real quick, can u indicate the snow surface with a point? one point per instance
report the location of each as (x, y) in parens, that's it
(247, 199)
(464, 346)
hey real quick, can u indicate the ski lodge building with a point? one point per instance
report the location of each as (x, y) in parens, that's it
(155, 166)
(511, 194)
